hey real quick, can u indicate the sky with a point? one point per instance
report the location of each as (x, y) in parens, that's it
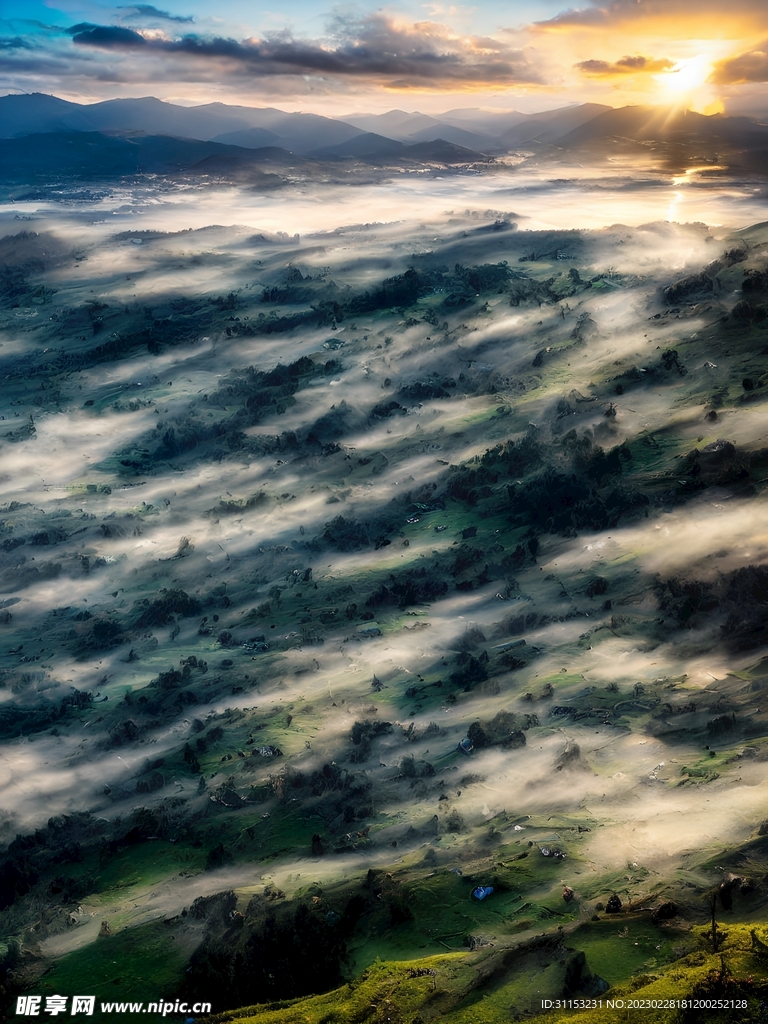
(361, 57)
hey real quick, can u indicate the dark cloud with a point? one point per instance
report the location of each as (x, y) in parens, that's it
(625, 66)
(148, 11)
(747, 67)
(105, 37)
(14, 43)
(374, 47)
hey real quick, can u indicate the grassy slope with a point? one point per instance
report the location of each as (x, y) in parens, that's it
(390, 992)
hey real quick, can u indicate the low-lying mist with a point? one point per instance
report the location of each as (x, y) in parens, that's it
(432, 544)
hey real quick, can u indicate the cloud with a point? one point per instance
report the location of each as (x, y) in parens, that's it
(376, 47)
(681, 13)
(105, 37)
(14, 43)
(625, 66)
(746, 67)
(148, 11)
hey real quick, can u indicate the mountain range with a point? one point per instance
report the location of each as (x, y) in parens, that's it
(45, 134)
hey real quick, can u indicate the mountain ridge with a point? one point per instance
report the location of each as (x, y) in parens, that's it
(674, 135)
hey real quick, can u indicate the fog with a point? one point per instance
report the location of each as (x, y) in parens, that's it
(328, 213)
(275, 486)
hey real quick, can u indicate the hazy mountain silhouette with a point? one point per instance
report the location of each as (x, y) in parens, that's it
(36, 113)
(367, 144)
(440, 151)
(417, 127)
(249, 138)
(643, 124)
(680, 136)
(397, 124)
(491, 122)
(458, 136)
(92, 155)
(300, 132)
(303, 133)
(48, 136)
(550, 126)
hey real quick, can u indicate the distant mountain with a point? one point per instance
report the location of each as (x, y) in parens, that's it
(441, 152)
(677, 137)
(380, 151)
(36, 113)
(488, 122)
(416, 127)
(156, 117)
(478, 129)
(573, 114)
(94, 155)
(301, 133)
(643, 124)
(549, 127)
(413, 124)
(304, 133)
(458, 136)
(238, 166)
(637, 123)
(364, 145)
(248, 138)
(275, 156)
(397, 124)
(115, 136)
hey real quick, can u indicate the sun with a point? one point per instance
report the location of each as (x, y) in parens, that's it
(685, 84)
